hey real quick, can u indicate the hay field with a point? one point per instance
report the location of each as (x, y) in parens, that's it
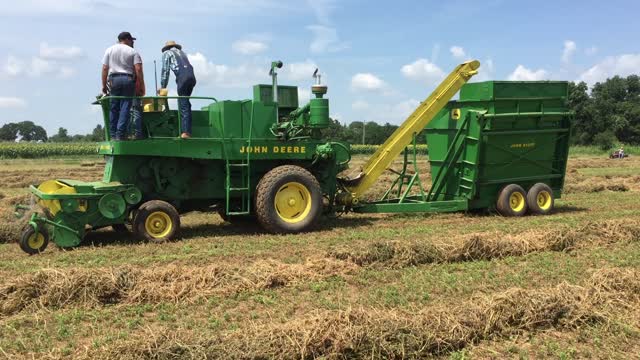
(451, 286)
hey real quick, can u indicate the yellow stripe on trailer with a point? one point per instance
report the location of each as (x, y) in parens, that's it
(417, 121)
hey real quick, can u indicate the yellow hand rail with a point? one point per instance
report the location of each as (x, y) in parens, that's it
(417, 121)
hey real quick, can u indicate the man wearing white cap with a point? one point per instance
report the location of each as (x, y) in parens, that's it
(122, 77)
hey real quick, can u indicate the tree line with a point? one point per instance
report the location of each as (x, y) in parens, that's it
(606, 116)
(29, 131)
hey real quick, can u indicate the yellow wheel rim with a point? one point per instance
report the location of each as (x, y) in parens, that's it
(516, 201)
(293, 202)
(544, 200)
(35, 241)
(158, 224)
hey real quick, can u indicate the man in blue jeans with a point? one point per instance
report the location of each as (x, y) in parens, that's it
(122, 76)
(174, 59)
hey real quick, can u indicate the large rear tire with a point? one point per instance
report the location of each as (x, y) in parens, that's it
(288, 200)
(512, 201)
(156, 221)
(540, 199)
(34, 243)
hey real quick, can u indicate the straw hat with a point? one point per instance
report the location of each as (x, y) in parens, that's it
(169, 44)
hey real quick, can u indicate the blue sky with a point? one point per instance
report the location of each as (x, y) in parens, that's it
(378, 59)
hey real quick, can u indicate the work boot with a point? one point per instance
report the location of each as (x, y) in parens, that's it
(185, 135)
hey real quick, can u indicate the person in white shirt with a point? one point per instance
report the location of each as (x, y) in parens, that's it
(122, 76)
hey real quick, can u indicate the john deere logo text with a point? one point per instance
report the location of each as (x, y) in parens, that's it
(273, 149)
(523, 146)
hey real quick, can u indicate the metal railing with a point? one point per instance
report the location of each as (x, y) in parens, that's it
(157, 102)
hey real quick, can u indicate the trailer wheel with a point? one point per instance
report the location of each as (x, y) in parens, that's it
(288, 200)
(156, 221)
(34, 243)
(512, 201)
(540, 199)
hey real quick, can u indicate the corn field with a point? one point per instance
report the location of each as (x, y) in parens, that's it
(10, 150)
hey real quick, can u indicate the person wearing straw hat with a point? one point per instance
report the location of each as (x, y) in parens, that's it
(174, 59)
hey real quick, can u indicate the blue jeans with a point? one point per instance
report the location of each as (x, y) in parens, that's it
(185, 88)
(136, 117)
(121, 85)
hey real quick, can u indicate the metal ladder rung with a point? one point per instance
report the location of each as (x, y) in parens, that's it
(239, 213)
(239, 189)
(238, 165)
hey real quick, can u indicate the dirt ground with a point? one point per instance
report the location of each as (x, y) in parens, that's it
(457, 286)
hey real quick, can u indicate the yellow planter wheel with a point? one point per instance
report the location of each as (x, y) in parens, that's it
(512, 201)
(33, 242)
(288, 200)
(540, 199)
(156, 221)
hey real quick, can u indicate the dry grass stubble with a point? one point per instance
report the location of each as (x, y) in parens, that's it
(487, 246)
(382, 333)
(53, 289)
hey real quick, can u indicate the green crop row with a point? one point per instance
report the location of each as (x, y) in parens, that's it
(11, 150)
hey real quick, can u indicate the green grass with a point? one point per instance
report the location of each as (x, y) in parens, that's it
(74, 331)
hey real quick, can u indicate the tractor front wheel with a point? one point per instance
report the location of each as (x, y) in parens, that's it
(288, 200)
(540, 199)
(512, 201)
(33, 242)
(156, 221)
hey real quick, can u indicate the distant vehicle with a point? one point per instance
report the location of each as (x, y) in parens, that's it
(617, 155)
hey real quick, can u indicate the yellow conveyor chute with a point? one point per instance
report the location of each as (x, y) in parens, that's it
(415, 123)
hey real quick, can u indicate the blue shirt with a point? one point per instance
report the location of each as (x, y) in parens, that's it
(169, 62)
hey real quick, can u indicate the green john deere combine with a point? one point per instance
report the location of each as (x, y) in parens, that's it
(502, 145)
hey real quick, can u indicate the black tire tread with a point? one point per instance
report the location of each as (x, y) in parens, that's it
(264, 209)
(152, 206)
(502, 204)
(532, 199)
(26, 232)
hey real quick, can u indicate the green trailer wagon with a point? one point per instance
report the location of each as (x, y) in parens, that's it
(503, 145)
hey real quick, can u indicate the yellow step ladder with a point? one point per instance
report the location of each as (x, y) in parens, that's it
(415, 123)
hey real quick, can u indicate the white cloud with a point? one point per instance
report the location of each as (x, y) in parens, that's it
(622, 65)
(366, 81)
(13, 66)
(457, 52)
(423, 70)
(60, 53)
(12, 102)
(299, 71)
(405, 108)
(486, 71)
(322, 9)
(360, 105)
(304, 95)
(521, 73)
(224, 75)
(393, 113)
(249, 47)
(40, 67)
(568, 51)
(66, 72)
(325, 39)
(591, 51)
